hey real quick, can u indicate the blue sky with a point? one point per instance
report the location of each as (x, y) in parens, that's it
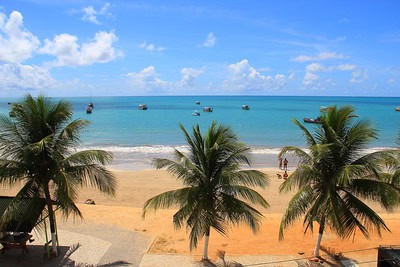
(81, 48)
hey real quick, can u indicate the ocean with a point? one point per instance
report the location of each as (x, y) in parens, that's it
(136, 136)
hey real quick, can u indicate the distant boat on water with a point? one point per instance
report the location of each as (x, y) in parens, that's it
(245, 107)
(397, 108)
(89, 110)
(197, 102)
(196, 113)
(317, 120)
(208, 109)
(90, 105)
(143, 107)
(326, 109)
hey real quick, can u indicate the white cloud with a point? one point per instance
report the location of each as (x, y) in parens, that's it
(147, 80)
(317, 67)
(310, 78)
(319, 57)
(243, 77)
(16, 43)
(210, 40)
(346, 67)
(151, 47)
(68, 52)
(292, 76)
(359, 76)
(90, 14)
(188, 76)
(391, 80)
(18, 76)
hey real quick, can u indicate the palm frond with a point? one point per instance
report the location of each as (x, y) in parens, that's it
(296, 208)
(167, 199)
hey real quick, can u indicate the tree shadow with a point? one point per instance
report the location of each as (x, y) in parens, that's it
(37, 256)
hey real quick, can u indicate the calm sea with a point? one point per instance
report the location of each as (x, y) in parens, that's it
(136, 136)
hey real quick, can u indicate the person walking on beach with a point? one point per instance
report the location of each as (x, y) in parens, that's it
(285, 162)
(280, 163)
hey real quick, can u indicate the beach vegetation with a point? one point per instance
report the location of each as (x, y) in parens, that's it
(38, 149)
(335, 177)
(217, 192)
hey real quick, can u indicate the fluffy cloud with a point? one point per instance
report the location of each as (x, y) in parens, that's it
(243, 77)
(210, 40)
(147, 80)
(315, 67)
(18, 76)
(188, 76)
(90, 14)
(359, 76)
(310, 78)
(151, 47)
(16, 43)
(319, 57)
(68, 52)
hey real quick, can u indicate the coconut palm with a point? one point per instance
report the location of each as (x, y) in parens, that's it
(216, 190)
(335, 176)
(37, 149)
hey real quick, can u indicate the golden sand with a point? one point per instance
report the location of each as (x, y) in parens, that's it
(135, 187)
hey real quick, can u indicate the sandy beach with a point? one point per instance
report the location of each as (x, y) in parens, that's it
(135, 187)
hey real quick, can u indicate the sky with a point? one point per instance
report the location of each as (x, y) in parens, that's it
(138, 48)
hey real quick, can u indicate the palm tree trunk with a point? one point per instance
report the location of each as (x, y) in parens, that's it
(320, 232)
(205, 252)
(51, 218)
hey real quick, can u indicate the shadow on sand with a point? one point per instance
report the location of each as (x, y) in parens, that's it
(36, 256)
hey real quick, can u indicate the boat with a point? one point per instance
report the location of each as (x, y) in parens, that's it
(197, 102)
(245, 107)
(397, 109)
(143, 107)
(89, 110)
(91, 105)
(326, 109)
(208, 109)
(317, 120)
(196, 113)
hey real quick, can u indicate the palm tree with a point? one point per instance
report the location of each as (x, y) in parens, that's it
(335, 176)
(37, 148)
(215, 188)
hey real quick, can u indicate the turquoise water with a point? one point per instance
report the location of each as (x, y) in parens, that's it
(119, 126)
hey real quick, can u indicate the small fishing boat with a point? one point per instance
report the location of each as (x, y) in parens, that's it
(397, 109)
(326, 109)
(89, 110)
(143, 107)
(91, 105)
(197, 102)
(196, 113)
(208, 109)
(317, 120)
(245, 107)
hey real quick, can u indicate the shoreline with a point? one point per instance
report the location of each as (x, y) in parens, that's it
(138, 158)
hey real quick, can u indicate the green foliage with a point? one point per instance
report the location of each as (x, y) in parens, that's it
(335, 175)
(37, 147)
(216, 191)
